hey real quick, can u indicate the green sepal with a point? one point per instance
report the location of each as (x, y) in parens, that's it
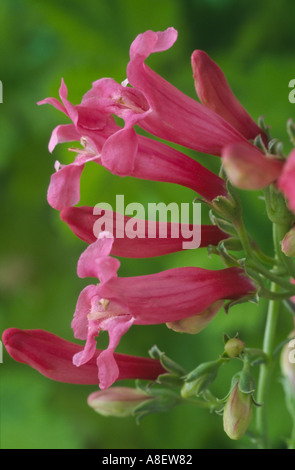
(228, 259)
(225, 338)
(258, 142)
(224, 225)
(232, 243)
(162, 401)
(167, 363)
(228, 207)
(247, 383)
(199, 379)
(276, 207)
(170, 380)
(204, 368)
(275, 147)
(264, 127)
(253, 298)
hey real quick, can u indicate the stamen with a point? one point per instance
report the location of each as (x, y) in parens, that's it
(88, 148)
(104, 303)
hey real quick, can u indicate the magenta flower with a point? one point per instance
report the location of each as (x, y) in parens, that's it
(121, 151)
(215, 93)
(117, 303)
(83, 222)
(52, 357)
(250, 168)
(286, 181)
(158, 107)
(171, 114)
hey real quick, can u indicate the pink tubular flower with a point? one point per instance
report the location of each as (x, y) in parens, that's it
(117, 303)
(250, 168)
(286, 181)
(170, 114)
(52, 357)
(159, 108)
(121, 151)
(215, 93)
(85, 224)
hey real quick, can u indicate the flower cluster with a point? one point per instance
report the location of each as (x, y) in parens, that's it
(184, 298)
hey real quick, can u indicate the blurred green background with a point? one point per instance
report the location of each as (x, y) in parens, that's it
(82, 41)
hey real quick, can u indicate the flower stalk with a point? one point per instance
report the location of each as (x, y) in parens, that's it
(268, 346)
(266, 369)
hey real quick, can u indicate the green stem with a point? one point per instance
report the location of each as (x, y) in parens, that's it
(212, 405)
(267, 294)
(268, 346)
(272, 276)
(265, 371)
(244, 238)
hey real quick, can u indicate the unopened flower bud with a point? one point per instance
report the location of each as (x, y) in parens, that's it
(234, 347)
(117, 401)
(248, 168)
(198, 322)
(201, 378)
(288, 364)
(288, 243)
(237, 413)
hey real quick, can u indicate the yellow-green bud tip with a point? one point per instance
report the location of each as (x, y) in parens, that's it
(117, 401)
(234, 347)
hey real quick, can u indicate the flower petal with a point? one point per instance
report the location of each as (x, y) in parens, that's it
(119, 152)
(174, 116)
(64, 187)
(95, 260)
(52, 357)
(108, 370)
(83, 307)
(215, 93)
(176, 293)
(86, 225)
(63, 133)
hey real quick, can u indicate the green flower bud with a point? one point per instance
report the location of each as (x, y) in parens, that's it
(227, 207)
(194, 388)
(237, 413)
(200, 378)
(117, 401)
(168, 364)
(234, 347)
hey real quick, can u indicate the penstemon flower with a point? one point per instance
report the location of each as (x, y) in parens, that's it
(117, 303)
(107, 144)
(215, 93)
(186, 299)
(84, 222)
(52, 357)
